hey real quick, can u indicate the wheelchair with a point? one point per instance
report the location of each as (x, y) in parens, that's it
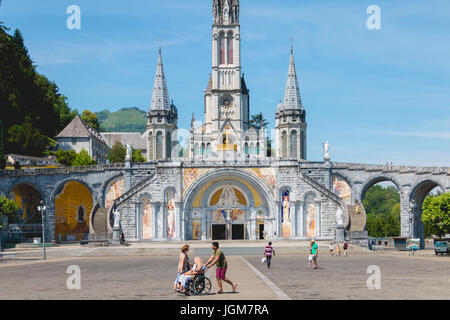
(199, 285)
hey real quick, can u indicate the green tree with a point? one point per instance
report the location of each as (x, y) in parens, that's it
(258, 121)
(83, 159)
(392, 222)
(137, 156)
(65, 158)
(34, 107)
(375, 225)
(91, 119)
(380, 200)
(58, 101)
(118, 153)
(8, 208)
(436, 214)
(2, 159)
(382, 207)
(26, 139)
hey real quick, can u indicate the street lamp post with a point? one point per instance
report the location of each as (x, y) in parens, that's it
(41, 209)
(412, 206)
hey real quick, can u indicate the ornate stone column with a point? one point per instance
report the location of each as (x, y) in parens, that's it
(318, 231)
(277, 218)
(204, 224)
(179, 231)
(161, 222)
(301, 218)
(208, 224)
(293, 212)
(138, 221)
(251, 224)
(154, 220)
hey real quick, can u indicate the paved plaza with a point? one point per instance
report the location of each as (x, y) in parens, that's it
(151, 277)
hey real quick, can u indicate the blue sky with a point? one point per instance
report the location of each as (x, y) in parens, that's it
(376, 96)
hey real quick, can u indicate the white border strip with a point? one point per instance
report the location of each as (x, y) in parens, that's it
(269, 283)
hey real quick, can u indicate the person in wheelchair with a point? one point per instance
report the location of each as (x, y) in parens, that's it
(197, 269)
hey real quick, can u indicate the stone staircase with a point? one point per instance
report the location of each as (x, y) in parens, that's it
(357, 233)
(99, 230)
(100, 227)
(322, 189)
(357, 216)
(135, 189)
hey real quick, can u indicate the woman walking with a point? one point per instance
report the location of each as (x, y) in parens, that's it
(183, 265)
(268, 252)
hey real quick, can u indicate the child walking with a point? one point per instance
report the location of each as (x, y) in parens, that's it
(310, 258)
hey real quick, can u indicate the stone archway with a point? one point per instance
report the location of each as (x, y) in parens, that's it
(73, 202)
(377, 179)
(372, 181)
(418, 193)
(236, 195)
(27, 197)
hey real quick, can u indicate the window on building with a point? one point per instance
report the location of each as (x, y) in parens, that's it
(302, 145)
(150, 146)
(293, 144)
(80, 214)
(284, 144)
(230, 48)
(168, 145)
(222, 49)
(159, 145)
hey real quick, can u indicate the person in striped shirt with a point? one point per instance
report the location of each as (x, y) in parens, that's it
(268, 252)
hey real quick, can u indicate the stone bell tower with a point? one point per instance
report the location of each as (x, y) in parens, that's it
(291, 119)
(162, 118)
(226, 113)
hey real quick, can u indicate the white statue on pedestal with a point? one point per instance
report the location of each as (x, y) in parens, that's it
(326, 151)
(340, 217)
(129, 155)
(116, 219)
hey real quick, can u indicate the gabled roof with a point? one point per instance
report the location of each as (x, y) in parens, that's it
(78, 128)
(134, 139)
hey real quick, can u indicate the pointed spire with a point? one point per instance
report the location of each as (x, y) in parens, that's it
(209, 86)
(160, 97)
(192, 120)
(292, 98)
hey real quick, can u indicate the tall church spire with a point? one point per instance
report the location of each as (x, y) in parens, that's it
(290, 118)
(292, 98)
(160, 97)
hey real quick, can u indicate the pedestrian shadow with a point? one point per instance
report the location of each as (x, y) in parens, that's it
(229, 293)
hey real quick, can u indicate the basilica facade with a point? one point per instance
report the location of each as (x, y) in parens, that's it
(228, 187)
(229, 184)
